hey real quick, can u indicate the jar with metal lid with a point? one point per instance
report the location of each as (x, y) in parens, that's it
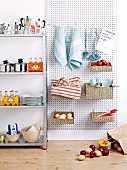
(5, 66)
(20, 66)
(11, 67)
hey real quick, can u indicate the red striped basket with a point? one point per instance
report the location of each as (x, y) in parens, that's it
(73, 92)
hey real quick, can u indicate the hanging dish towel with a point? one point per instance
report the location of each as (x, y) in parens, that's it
(75, 55)
(60, 46)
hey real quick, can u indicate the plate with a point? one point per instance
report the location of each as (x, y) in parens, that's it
(106, 83)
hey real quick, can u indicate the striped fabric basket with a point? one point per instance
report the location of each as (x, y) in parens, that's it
(73, 92)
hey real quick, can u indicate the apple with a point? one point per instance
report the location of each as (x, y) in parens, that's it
(94, 64)
(92, 147)
(108, 64)
(99, 63)
(92, 154)
(105, 152)
(101, 149)
(104, 62)
(83, 152)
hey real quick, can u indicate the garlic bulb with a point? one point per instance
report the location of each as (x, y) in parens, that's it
(88, 150)
(98, 153)
(81, 157)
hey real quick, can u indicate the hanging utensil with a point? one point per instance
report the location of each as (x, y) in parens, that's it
(85, 53)
(95, 56)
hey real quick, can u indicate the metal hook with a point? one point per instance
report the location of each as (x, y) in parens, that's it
(75, 24)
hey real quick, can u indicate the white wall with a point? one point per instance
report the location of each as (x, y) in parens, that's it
(122, 62)
(13, 10)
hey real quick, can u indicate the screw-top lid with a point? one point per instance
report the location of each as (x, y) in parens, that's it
(5, 61)
(11, 64)
(20, 60)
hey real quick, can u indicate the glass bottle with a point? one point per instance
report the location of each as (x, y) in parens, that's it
(35, 66)
(41, 65)
(5, 98)
(38, 26)
(16, 98)
(11, 98)
(30, 64)
(1, 99)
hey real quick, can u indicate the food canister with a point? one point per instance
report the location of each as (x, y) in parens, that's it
(5, 66)
(20, 66)
(11, 67)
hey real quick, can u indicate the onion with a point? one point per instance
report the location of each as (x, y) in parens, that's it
(81, 157)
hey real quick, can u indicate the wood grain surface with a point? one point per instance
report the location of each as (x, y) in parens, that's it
(60, 155)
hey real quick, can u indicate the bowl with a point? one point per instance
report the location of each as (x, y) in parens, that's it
(31, 136)
(104, 143)
(13, 138)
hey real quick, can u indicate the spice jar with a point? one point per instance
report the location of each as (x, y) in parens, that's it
(5, 66)
(11, 67)
(20, 66)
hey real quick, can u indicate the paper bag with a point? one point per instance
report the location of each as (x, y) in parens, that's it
(120, 134)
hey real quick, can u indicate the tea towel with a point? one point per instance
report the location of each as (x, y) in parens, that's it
(60, 45)
(76, 48)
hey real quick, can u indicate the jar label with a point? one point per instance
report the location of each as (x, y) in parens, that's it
(2, 68)
(17, 67)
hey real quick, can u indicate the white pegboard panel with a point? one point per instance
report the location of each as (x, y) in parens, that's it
(87, 14)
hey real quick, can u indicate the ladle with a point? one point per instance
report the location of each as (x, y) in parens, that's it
(85, 53)
(95, 56)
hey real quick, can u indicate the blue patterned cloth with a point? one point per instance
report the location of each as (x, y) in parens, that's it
(75, 55)
(60, 45)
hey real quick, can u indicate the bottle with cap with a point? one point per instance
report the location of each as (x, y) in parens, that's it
(38, 26)
(1, 99)
(30, 64)
(41, 65)
(11, 99)
(16, 28)
(35, 66)
(5, 98)
(8, 30)
(16, 98)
